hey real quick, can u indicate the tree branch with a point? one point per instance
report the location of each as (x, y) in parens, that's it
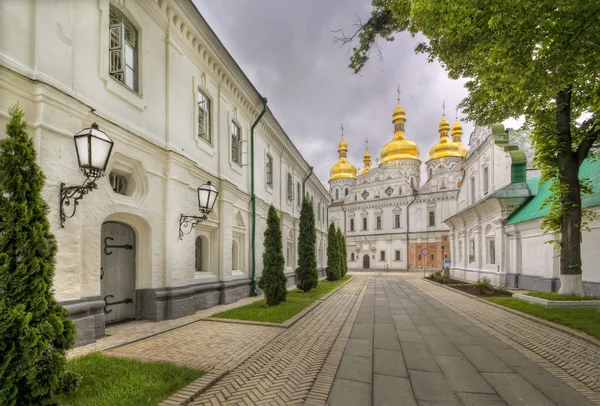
(587, 143)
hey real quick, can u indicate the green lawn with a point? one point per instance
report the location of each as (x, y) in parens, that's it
(558, 296)
(295, 303)
(586, 320)
(109, 381)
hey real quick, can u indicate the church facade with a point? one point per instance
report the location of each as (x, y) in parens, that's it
(389, 220)
(157, 80)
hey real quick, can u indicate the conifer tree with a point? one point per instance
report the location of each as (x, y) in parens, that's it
(273, 280)
(345, 263)
(342, 252)
(34, 330)
(307, 276)
(333, 255)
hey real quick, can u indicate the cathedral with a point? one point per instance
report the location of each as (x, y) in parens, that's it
(390, 221)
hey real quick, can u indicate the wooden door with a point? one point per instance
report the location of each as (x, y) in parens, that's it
(118, 271)
(366, 262)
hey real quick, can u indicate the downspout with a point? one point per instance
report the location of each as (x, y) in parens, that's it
(415, 193)
(304, 182)
(253, 289)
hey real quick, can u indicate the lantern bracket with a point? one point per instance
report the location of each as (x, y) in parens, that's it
(71, 195)
(187, 223)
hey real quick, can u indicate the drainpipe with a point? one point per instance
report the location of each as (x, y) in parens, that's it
(253, 289)
(415, 193)
(304, 182)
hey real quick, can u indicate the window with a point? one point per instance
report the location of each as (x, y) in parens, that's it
(352, 257)
(323, 215)
(346, 192)
(290, 187)
(400, 190)
(337, 194)
(460, 251)
(491, 251)
(472, 190)
(379, 222)
(364, 223)
(382, 255)
(485, 181)
(397, 255)
(471, 251)
(198, 263)
(118, 183)
(269, 171)
(235, 145)
(204, 117)
(419, 257)
(397, 221)
(319, 211)
(432, 257)
(123, 52)
(351, 224)
(298, 195)
(432, 218)
(430, 172)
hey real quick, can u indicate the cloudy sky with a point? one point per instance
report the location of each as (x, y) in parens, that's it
(286, 48)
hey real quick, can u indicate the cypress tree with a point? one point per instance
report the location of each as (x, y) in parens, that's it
(345, 254)
(307, 276)
(34, 330)
(342, 252)
(333, 255)
(273, 280)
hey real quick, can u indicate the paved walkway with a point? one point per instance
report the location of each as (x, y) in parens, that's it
(408, 348)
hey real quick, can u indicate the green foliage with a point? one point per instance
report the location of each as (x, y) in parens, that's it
(34, 330)
(345, 254)
(307, 277)
(485, 287)
(440, 277)
(333, 255)
(558, 296)
(273, 280)
(537, 59)
(586, 320)
(109, 381)
(342, 252)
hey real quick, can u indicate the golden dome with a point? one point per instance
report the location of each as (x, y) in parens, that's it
(343, 169)
(445, 146)
(457, 137)
(399, 147)
(367, 161)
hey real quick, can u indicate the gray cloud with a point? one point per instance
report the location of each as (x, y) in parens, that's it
(286, 49)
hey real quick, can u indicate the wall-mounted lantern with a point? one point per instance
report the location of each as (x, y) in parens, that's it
(93, 151)
(207, 196)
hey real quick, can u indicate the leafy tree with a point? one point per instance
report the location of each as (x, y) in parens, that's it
(333, 255)
(342, 252)
(345, 255)
(537, 59)
(307, 276)
(273, 280)
(34, 330)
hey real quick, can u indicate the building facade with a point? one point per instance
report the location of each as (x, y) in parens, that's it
(179, 109)
(389, 220)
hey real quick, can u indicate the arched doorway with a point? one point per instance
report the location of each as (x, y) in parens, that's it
(117, 271)
(366, 261)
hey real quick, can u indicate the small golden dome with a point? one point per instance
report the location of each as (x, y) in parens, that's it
(399, 147)
(367, 161)
(457, 137)
(445, 146)
(343, 169)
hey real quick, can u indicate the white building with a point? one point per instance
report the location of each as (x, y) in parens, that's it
(388, 220)
(179, 109)
(497, 233)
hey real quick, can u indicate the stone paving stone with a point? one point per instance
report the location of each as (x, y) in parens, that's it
(359, 347)
(421, 320)
(429, 331)
(460, 338)
(515, 390)
(384, 331)
(392, 391)
(432, 387)
(387, 343)
(349, 393)
(477, 331)
(356, 368)
(483, 359)
(365, 318)
(418, 357)
(552, 387)
(389, 363)
(462, 376)
(440, 345)
(364, 331)
(481, 399)
(409, 336)
(511, 357)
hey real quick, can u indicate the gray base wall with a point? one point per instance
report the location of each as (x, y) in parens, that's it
(539, 284)
(161, 304)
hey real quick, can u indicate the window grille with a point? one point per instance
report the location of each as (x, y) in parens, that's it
(118, 183)
(235, 143)
(290, 187)
(204, 117)
(269, 171)
(123, 52)
(382, 255)
(397, 221)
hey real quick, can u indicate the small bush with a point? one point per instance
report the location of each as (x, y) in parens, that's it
(440, 277)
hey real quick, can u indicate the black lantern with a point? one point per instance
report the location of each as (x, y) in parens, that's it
(207, 197)
(93, 152)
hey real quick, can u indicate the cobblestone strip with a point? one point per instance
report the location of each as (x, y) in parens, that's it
(320, 391)
(284, 371)
(573, 360)
(193, 390)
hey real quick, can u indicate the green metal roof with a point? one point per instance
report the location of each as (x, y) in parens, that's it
(590, 169)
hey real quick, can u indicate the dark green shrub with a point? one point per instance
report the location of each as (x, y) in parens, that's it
(307, 277)
(485, 287)
(34, 330)
(333, 255)
(273, 280)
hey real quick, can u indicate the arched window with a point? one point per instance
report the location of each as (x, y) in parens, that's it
(352, 257)
(199, 259)
(346, 191)
(430, 172)
(337, 194)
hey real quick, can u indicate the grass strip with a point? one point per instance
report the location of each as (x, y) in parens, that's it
(558, 296)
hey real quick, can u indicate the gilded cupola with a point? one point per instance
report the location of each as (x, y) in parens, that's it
(457, 136)
(367, 161)
(445, 146)
(400, 147)
(343, 169)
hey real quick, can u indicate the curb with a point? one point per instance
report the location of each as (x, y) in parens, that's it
(190, 392)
